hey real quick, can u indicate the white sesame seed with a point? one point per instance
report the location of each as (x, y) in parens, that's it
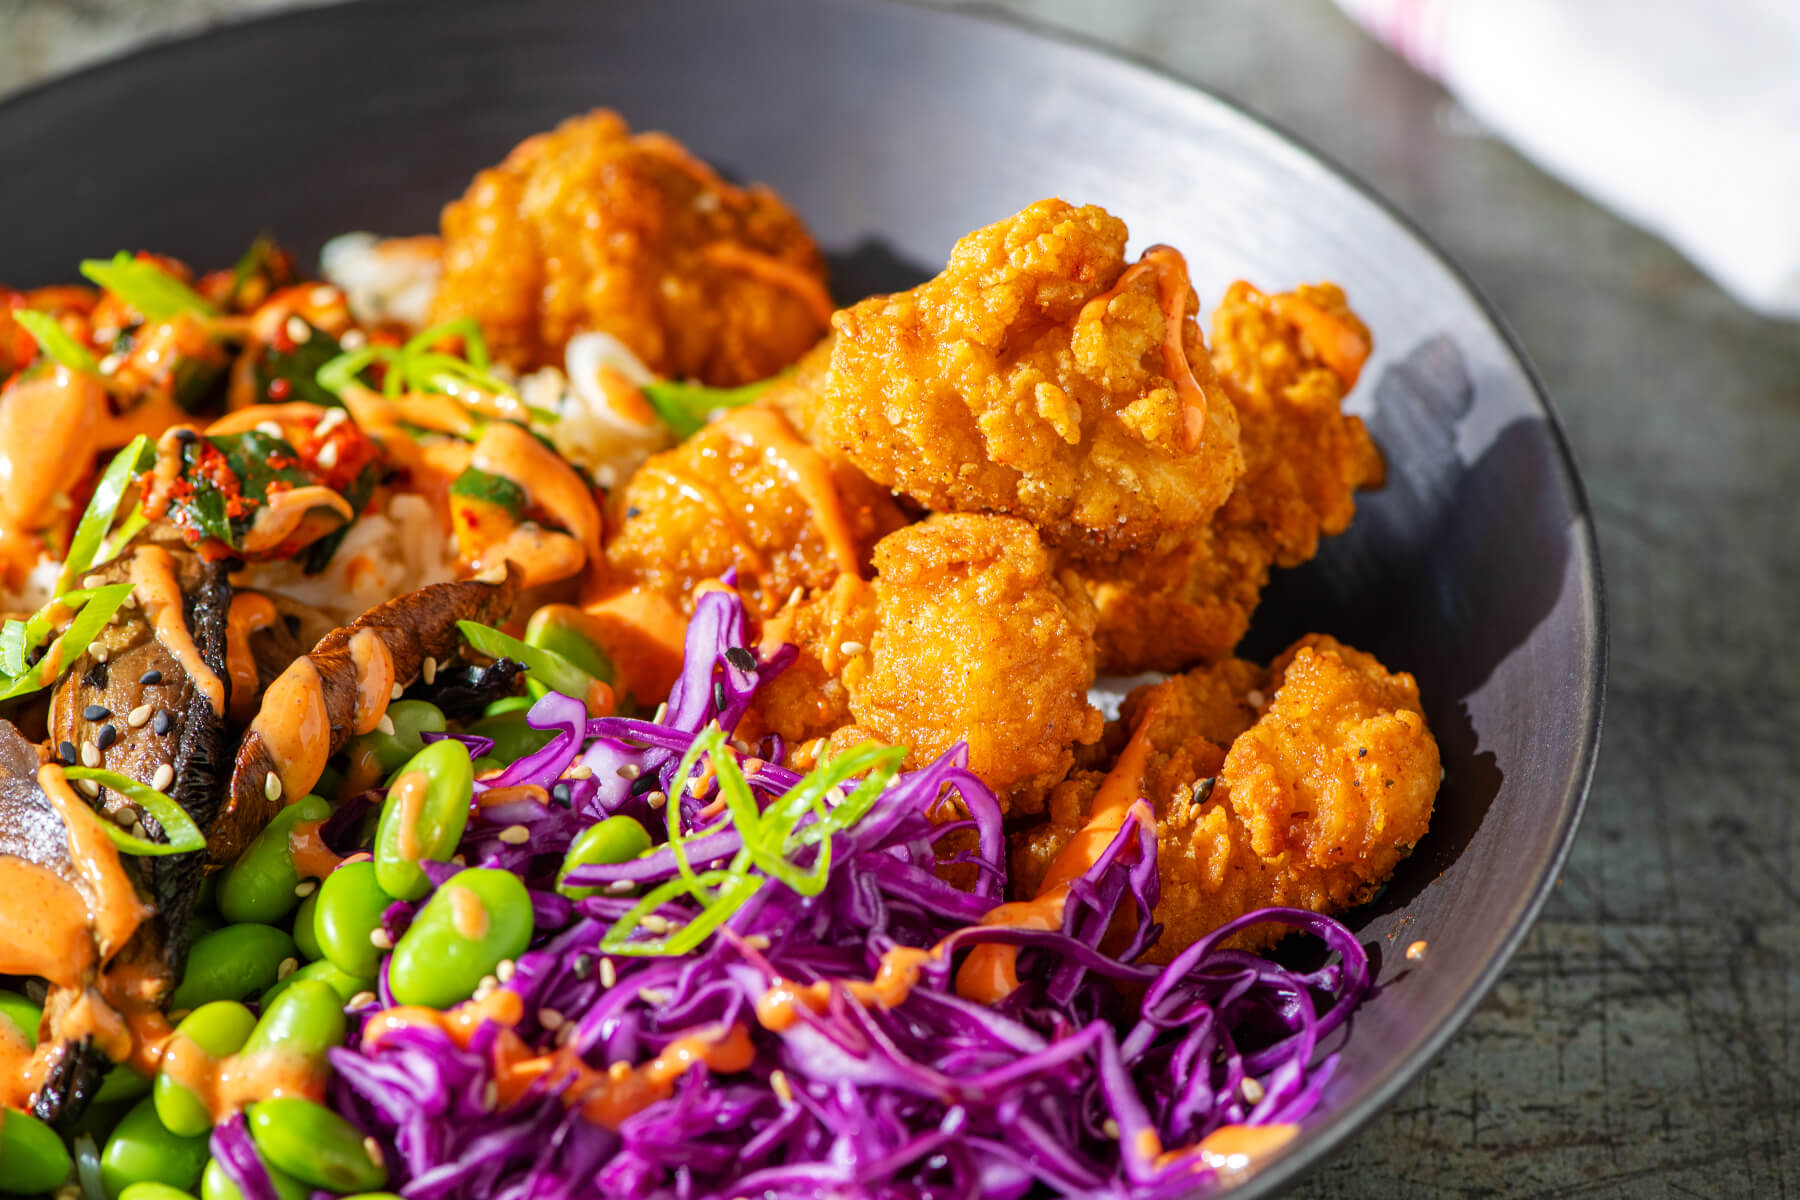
(662, 710)
(851, 649)
(165, 775)
(139, 716)
(288, 966)
(92, 581)
(490, 1096)
(272, 786)
(385, 725)
(656, 800)
(379, 939)
(834, 797)
(1253, 1091)
(654, 997)
(126, 817)
(620, 887)
(1110, 1128)
(90, 754)
(353, 340)
(566, 1033)
(486, 987)
(362, 1000)
(323, 297)
(757, 941)
(796, 596)
(138, 830)
(270, 428)
(298, 331)
(655, 924)
(550, 1019)
(515, 835)
(100, 652)
(457, 860)
(372, 1148)
(609, 974)
(334, 416)
(506, 969)
(779, 1081)
(327, 456)
(579, 772)
(397, 692)
(88, 787)
(306, 887)
(1255, 697)
(428, 669)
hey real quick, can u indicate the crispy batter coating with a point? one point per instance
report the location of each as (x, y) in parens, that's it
(744, 492)
(591, 227)
(968, 634)
(1287, 362)
(1312, 803)
(1035, 377)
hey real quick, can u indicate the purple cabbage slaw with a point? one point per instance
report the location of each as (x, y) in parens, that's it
(1066, 1086)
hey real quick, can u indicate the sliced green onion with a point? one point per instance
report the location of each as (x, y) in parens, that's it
(97, 609)
(685, 407)
(55, 341)
(12, 647)
(546, 666)
(339, 373)
(121, 537)
(146, 287)
(184, 836)
(136, 456)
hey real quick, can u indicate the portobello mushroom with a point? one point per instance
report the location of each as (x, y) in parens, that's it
(342, 688)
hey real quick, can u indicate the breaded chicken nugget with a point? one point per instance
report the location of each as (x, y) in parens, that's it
(744, 492)
(1311, 803)
(591, 227)
(1286, 361)
(1038, 376)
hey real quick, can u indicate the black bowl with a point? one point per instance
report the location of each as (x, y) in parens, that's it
(893, 131)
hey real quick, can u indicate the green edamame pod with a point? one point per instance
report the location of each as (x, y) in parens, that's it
(325, 972)
(260, 885)
(141, 1149)
(351, 902)
(22, 1015)
(557, 628)
(305, 1020)
(215, 1184)
(232, 963)
(151, 1190)
(217, 1029)
(33, 1159)
(411, 718)
(306, 940)
(615, 840)
(423, 817)
(313, 1144)
(477, 918)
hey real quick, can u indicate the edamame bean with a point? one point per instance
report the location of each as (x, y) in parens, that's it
(32, 1158)
(305, 939)
(121, 1083)
(326, 972)
(507, 704)
(215, 1184)
(304, 1021)
(349, 911)
(233, 963)
(218, 1029)
(22, 1015)
(141, 1149)
(615, 840)
(313, 1144)
(513, 738)
(487, 764)
(423, 817)
(149, 1190)
(558, 628)
(477, 918)
(411, 719)
(259, 886)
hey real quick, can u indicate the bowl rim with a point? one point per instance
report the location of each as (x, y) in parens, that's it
(1330, 1131)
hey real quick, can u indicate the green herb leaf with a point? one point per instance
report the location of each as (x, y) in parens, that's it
(301, 367)
(341, 372)
(545, 666)
(146, 287)
(98, 518)
(55, 341)
(685, 407)
(487, 488)
(184, 836)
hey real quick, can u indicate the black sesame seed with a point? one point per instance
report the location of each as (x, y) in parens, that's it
(1362, 752)
(632, 511)
(1204, 788)
(646, 783)
(186, 437)
(162, 722)
(293, 624)
(562, 793)
(108, 735)
(719, 695)
(741, 658)
(96, 712)
(583, 966)
(150, 678)
(66, 752)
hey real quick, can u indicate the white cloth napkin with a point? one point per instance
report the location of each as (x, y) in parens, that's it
(1681, 115)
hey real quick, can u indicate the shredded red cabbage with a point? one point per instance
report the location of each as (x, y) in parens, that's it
(1076, 1083)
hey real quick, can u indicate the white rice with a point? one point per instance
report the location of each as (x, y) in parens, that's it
(388, 551)
(34, 591)
(389, 279)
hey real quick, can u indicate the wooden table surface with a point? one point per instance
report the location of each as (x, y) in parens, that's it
(1645, 1042)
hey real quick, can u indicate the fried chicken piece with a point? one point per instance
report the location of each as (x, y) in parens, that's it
(1311, 802)
(589, 226)
(744, 492)
(1037, 376)
(968, 634)
(1286, 361)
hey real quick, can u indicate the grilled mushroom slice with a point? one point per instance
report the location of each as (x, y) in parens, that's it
(342, 689)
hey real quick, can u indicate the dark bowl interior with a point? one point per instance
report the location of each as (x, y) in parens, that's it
(893, 131)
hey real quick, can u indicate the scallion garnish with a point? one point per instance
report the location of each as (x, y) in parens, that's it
(685, 407)
(184, 836)
(771, 838)
(97, 609)
(84, 547)
(55, 341)
(145, 286)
